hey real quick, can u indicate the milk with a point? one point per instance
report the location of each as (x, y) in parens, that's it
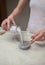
(22, 44)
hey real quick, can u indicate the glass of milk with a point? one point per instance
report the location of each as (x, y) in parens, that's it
(26, 44)
(24, 36)
(25, 39)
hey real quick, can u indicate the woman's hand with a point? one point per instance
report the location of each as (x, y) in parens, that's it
(39, 36)
(7, 22)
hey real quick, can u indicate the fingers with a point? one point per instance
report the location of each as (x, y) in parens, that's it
(36, 34)
(37, 37)
(13, 22)
(6, 23)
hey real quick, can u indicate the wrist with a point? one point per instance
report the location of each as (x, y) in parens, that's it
(11, 16)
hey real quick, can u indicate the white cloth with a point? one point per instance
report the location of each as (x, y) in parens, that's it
(37, 16)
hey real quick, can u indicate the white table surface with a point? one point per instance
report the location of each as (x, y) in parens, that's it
(10, 54)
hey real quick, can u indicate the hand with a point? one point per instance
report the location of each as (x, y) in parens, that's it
(7, 22)
(39, 36)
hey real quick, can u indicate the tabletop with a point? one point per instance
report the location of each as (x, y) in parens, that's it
(11, 54)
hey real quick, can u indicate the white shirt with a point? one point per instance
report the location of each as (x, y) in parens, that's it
(37, 16)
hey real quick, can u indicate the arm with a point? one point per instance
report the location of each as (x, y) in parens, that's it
(20, 7)
(10, 19)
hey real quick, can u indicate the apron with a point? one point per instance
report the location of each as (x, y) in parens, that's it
(37, 16)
